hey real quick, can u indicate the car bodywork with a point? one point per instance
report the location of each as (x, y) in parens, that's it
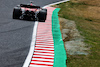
(29, 12)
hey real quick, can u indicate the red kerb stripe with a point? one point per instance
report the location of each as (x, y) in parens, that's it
(41, 64)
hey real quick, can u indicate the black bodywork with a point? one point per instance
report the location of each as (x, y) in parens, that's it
(29, 12)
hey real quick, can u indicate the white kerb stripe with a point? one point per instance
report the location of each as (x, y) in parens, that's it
(43, 56)
(42, 62)
(41, 59)
(43, 53)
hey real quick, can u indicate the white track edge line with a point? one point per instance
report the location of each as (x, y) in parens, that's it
(32, 46)
(55, 3)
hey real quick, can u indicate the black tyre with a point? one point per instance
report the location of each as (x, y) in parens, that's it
(42, 15)
(16, 13)
(45, 10)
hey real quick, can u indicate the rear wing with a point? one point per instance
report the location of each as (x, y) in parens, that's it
(29, 6)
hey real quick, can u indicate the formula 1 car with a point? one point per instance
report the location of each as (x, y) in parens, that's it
(29, 12)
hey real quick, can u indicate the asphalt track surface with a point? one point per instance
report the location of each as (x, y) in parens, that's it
(15, 35)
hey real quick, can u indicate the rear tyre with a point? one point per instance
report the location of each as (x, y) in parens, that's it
(45, 10)
(16, 13)
(42, 15)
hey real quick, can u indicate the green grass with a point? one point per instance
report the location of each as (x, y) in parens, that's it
(89, 28)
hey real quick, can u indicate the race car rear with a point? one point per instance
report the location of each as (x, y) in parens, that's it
(29, 12)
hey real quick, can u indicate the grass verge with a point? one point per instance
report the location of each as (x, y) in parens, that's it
(87, 19)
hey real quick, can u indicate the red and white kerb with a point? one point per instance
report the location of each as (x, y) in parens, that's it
(44, 49)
